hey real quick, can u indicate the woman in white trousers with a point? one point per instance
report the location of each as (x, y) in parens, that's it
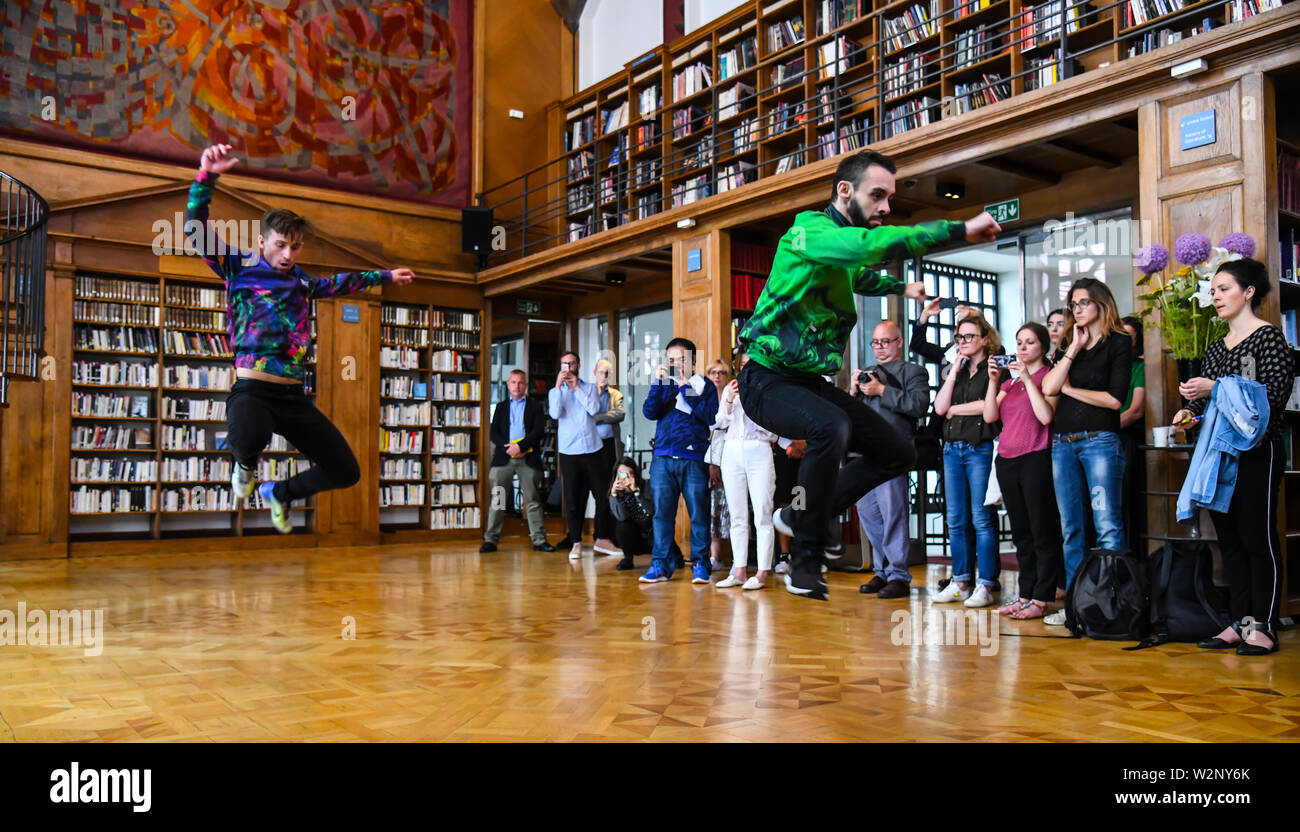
(747, 475)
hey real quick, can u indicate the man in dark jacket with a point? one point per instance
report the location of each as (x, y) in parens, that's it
(517, 427)
(684, 404)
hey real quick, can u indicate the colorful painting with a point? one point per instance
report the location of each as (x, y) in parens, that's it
(370, 96)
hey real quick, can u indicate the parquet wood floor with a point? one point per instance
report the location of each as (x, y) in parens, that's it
(516, 645)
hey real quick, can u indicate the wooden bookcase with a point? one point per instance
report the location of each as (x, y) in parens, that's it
(430, 417)
(151, 369)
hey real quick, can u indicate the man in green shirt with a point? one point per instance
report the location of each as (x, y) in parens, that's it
(797, 336)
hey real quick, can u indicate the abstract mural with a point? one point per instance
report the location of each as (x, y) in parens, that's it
(370, 97)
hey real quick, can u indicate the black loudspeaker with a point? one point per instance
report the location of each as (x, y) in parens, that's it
(476, 230)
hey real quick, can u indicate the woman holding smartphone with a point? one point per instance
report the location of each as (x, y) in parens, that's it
(1248, 529)
(633, 511)
(749, 475)
(967, 461)
(1024, 466)
(1091, 375)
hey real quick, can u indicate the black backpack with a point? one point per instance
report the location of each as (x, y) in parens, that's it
(1185, 603)
(1108, 597)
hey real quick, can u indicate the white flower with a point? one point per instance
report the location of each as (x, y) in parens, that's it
(1202, 296)
(1218, 256)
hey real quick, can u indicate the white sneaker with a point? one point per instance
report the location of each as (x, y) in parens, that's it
(728, 582)
(951, 592)
(778, 522)
(753, 583)
(575, 552)
(241, 481)
(1056, 619)
(782, 567)
(981, 597)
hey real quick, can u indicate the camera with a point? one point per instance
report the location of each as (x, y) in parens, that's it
(1002, 361)
(865, 377)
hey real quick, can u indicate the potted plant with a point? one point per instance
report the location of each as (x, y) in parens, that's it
(1187, 321)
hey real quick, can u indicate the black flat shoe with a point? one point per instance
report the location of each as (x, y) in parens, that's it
(543, 547)
(625, 564)
(1248, 649)
(1217, 643)
(488, 547)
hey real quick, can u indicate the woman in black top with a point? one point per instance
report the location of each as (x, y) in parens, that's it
(633, 510)
(1252, 554)
(1091, 374)
(967, 463)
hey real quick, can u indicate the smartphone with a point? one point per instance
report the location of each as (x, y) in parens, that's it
(622, 475)
(949, 303)
(1186, 423)
(566, 365)
(1003, 361)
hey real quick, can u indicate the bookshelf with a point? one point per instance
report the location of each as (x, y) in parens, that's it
(430, 417)
(751, 263)
(151, 367)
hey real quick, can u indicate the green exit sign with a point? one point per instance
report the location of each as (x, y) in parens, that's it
(528, 307)
(1005, 211)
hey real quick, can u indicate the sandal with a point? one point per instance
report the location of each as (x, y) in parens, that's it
(1013, 606)
(1034, 609)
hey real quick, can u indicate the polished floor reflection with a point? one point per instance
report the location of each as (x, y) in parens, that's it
(516, 645)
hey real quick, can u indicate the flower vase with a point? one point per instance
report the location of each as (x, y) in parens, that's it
(1188, 368)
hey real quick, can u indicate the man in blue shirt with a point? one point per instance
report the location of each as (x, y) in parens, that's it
(518, 425)
(684, 404)
(574, 404)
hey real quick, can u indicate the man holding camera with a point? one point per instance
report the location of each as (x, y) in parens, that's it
(685, 404)
(574, 404)
(900, 392)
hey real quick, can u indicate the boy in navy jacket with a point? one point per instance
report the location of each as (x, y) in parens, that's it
(684, 404)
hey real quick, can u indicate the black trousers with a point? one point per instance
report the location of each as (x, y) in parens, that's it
(585, 474)
(1030, 500)
(1252, 553)
(833, 423)
(256, 409)
(1135, 481)
(632, 539)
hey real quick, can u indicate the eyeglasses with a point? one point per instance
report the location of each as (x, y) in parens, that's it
(965, 337)
(1080, 304)
(884, 342)
(719, 372)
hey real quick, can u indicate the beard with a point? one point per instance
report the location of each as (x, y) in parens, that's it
(860, 219)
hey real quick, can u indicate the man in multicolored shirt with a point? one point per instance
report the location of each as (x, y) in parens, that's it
(797, 336)
(269, 300)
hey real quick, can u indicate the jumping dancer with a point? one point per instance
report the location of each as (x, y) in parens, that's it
(269, 301)
(798, 334)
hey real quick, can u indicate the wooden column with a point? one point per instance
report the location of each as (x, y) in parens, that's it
(702, 297)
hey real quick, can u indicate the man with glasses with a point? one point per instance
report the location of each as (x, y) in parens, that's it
(797, 336)
(574, 404)
(899, 392)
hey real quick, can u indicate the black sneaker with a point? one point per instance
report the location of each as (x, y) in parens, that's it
(625, 564)
(805, 577)
(543, 547)
(488, 547)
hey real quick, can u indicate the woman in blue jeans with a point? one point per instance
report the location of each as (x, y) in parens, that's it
(1091, 375)
(967, 461)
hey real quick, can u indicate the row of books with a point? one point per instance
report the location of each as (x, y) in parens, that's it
(1041, 23)
(649, 100)
(1292, 336)
(110, 405)
(738, 58)
(786, 116)
(698, 155)
(1151, 40)
(990, 90)
(101, 469)
(206, 468)
(399, 358)
(647, 206)
(852, 135)
(451, 361)
(614, 118)
(402, 387)
(196, 319)
(405, 336)
(1288, 182)
(912, 26)
(785, 33)
(736, 174)
(1137, 12)
(454, 319)
(691, 80)
(196, 296)
(403, 315)
(751, 258)
(450, 443)
(688, 119)
(965, 8)
(734, 100)
(199, 377)
(401, 468)
(746, 135)
(201, 410)
(832, 14)
(401, 441)
(199, 498)
(691, 190)
(974, 45)
(105, 312)
(87, 500)
(1242, 9)
(645, 135)
(837, 57)
(1043, 72)
(455, 469)
(191, 438)
(745, 290)
(120, 373)
(454, 339)
(1289, 243)
(457, 416)
(405, 414)
(646, 173)
(410, 494)
(612, 189)
(580, 198)
(785, 74)
(196, 343)
(578, 230)
(462, 494)
(455, 390)
(910, 73)
(580, 165)
(108, 288)
(909, 115)
(580, 132)
(793, 159)
(103, 437)
(114, 338)
(454, 518)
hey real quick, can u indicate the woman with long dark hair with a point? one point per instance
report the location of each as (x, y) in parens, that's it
(1091, 375)
(967, 461)
(1252, 553)
(634, 509)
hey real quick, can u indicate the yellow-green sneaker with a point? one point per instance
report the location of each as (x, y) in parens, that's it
(279, 510)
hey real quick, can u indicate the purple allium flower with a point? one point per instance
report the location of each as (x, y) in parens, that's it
(1151, 259)
(1191, 249)
(1238, 243)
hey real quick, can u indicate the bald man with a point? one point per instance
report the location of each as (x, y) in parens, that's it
(900, 392)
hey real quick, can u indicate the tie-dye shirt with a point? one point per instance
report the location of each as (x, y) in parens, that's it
(269, 309)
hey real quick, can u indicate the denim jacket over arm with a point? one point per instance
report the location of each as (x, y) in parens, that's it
(1235, 421)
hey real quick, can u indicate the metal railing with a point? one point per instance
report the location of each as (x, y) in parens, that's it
(529, 214)
(22, 281)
